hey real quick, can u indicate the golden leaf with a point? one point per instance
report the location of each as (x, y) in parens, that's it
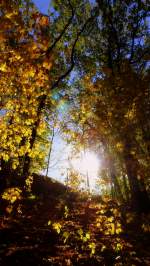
(44, 21)
(3, 67)
(47, 65)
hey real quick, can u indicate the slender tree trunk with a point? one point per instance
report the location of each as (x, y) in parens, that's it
(114, 179)
(116, 186)
(126, 189)
(50, 150)
(88, 181)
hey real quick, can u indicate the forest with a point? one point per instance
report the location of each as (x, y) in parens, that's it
(83, 70)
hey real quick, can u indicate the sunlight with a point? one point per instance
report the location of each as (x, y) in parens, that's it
(86, 163)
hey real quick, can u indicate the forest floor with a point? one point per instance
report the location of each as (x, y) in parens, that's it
(54, 226)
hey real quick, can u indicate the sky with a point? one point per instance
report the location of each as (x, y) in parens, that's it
(42, 5)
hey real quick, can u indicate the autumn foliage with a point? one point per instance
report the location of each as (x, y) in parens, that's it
(24, 84)
(88, 76)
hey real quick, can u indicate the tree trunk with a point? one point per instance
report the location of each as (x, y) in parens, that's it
(140, 200)
(116, 186)
(27, 159)
(115, 180)
(126, 189)
(50, 149)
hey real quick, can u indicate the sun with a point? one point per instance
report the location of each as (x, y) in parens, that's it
(86, 163)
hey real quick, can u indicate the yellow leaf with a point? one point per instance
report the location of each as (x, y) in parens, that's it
(13, 199)
(110, 219)
(57, 227)
(103, 248)
(87, 235)
(112, 229)
(119, 146)
(80, 232)
(49, 222)
(118, 246)
(92, 246)
(14, 166)
(9, 15)
(3, 67)
(17, 56)
(44, 21)
(6, 157)
(31, 73)
(118, 230)
(47, 65)
(65, 235)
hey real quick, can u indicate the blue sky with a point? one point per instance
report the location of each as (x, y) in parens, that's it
(42, 5)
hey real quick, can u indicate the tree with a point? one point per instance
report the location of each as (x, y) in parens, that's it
(114, 69)
(108, 51)
(29, 59)
(22, 88)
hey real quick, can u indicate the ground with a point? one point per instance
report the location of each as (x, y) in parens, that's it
(53, 225)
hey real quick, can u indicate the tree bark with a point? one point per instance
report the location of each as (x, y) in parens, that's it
(126, 189)
(50, 149)
(27, 159)
(116, 186)
(140, 200)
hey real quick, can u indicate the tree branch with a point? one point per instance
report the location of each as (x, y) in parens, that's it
(134, 32)
(49, 50)
(72, 54)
